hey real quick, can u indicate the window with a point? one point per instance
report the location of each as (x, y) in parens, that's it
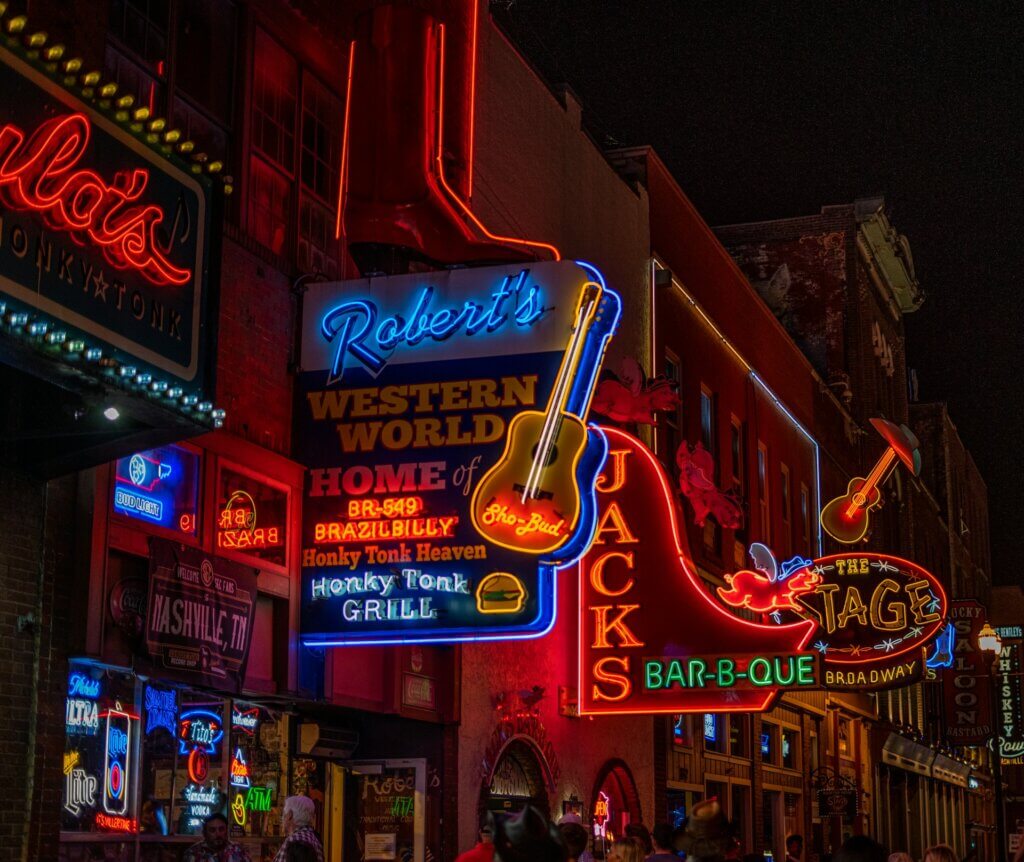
(713, 732)
(682, 731)
(709, 425)
(252, 517)
(738, 462)
(199, 35)
(159, 487)
(296, 141)
(769, 742)
(762, 493)
(790, 749)
(739, 735)
(784, 502)
(671, 420)
(805, 516)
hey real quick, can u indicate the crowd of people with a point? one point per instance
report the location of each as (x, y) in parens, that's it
(706, 837)
(529, 836)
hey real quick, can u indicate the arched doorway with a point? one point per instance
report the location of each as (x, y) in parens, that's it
(616, 802)
(519, 778)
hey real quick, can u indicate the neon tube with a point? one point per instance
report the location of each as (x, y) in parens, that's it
(343, 170)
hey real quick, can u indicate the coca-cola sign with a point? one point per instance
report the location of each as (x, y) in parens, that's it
(101, 237)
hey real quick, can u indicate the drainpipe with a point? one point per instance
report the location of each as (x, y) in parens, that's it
(35, 621)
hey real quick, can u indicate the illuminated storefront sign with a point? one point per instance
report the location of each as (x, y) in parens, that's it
(117, 761)
(635, 657)
(161, 709)
(104, 239)
(200, 803)
(79, 785)
(160, 487)
(238, 812)
(966, 685)
(875, 614)
(451, 466)
(245, 720)
(81, 710)
(200, 728)
(239, 769)
(602, 813)
(259, 799)
(251, 516)
(108, 823)
(1011, 700)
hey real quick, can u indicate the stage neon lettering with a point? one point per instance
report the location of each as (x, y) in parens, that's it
(351, 324)
(39, 175)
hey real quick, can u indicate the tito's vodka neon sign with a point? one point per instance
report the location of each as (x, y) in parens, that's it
(40, 175)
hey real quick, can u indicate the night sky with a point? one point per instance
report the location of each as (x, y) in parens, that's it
(773, 109)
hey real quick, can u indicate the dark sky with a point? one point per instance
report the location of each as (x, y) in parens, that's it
(774, 108)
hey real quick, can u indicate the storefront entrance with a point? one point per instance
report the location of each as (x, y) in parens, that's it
(519, 779)
(376, 810)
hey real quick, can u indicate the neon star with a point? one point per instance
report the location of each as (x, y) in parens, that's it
(884, 566)
(889, 645)
(821, 647)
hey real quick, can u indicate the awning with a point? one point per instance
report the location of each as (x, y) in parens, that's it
(919, 759)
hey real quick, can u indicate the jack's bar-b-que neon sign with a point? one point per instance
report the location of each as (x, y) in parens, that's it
(101, 237)
(652, 640)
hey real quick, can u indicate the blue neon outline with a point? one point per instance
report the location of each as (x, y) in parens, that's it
(949, 634)
(211, 746)
(152, 724)
(578, 544)
(817, 450)
(77, 674)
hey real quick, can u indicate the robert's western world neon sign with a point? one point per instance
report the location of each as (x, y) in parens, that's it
(451, 463)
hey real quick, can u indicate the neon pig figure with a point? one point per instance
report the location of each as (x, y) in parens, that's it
(352, 323)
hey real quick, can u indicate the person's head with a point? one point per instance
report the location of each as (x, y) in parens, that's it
(626, 850)
(527, 837)
(940, 853)
(215, 831)
(795, 845)
(299, 811)
(860, 848)
(900, 857)
(300, 851)
(641, 834)
(661, 837)
(486, 830)
(575, 837)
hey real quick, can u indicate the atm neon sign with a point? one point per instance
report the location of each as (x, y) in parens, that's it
(39, 174)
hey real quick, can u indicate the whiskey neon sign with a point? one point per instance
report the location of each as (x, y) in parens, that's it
(39, 174)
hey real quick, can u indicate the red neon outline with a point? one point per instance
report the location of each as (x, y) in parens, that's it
(343, 168)
(712, 606)
(923, 641)
(439, 167)
(84, 205)
(472, 100)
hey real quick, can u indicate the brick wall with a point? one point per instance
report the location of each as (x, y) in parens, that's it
(33, 658)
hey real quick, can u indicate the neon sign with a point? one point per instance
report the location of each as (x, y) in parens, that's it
(245, 720)
(967, 684)
(79, 785)
(236, 526)
(873, 607)
(199, 728)
(259, 798)
(602, 813)
(710, 727)
(238, 812)
(159, 486)
(117, 759)
(80, 685)
(198, 765)
(201, 803)
(635, 658)
(394, 544)
(81, 716)
(768, 591)
(350, 324)
(942, 651)
(161, 709)
(116, 823)
(239, 770)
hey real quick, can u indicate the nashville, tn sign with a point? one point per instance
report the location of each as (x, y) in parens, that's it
(651, 637)
(451, 468)
(100, 236)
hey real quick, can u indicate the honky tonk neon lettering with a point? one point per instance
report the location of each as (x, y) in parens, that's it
(40, 175)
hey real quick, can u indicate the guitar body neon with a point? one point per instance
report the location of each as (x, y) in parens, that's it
(545, 519)
(846, 518)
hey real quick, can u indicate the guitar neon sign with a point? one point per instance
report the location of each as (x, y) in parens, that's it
(352, 323)
(39, 175)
